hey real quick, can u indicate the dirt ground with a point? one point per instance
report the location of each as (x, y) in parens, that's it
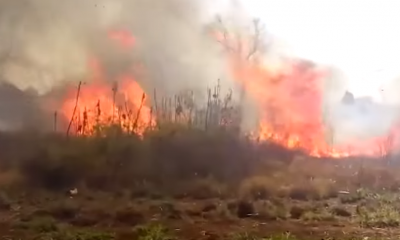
(191, 185)
(101, 215)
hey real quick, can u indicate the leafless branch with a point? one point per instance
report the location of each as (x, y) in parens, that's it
(256, 39)
(225, 41)
(75, 107)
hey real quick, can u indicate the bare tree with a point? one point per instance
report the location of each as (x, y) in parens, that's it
(243, 47)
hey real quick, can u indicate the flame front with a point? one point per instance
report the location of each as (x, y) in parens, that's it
(288, 95)
(289, 99)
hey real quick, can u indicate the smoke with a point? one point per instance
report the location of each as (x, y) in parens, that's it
(42, 44)
(19, 109)
(359, 119)
(46, 43)
(363, 120)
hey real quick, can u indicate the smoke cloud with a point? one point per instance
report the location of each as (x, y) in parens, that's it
(358, 119)
(47, 43)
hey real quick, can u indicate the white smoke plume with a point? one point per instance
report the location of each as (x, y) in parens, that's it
(359, 118)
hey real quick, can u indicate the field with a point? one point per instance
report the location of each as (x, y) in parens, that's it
(182, 183)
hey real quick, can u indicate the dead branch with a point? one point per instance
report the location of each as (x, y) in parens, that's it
(238, 49)
(139, 112)
(225, 35)
(55, 121)
(76, 105)
(156, 104)
(256, 39)
(114, 90)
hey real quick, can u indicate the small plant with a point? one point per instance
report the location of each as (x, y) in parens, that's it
(224, 212)
(350, 198)
(384, 215)
(283, 236)
(153, 232)
(256, 188)
(267, 210)
(318, 216)
(316, 189)
(45, 225)
(244, 236)
(251, 236)
(89, 235)
(355, 197)
(40, 225)
(341, 212)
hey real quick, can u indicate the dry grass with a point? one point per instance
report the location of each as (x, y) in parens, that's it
(259, 187)
(185, 176)
(195, 163)
(203, 188)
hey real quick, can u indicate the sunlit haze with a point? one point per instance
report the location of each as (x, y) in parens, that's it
(361, 37)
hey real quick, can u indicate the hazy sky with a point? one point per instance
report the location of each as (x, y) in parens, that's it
(361, 37)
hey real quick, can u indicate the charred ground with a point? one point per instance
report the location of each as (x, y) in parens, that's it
(179, 182)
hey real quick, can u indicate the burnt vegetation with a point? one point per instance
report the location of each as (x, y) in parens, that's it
(182, 171)
(185, 171)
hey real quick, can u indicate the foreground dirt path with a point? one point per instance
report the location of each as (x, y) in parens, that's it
(225, 230)
(306, 231)
(107, 217)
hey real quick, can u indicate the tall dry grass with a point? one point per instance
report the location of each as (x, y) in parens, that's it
(203, 149)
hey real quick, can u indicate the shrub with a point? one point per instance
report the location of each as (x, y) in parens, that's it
(179, 160)
(258, 187)
(153, 232)
(315, 189)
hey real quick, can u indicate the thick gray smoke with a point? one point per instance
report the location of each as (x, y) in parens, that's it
(19, 109)
(46, 43)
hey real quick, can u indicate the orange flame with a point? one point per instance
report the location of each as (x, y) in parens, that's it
(290, 104)
(102, 104)
(289, 100)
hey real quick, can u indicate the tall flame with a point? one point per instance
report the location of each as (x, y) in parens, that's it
(289, 99)
(99, 103)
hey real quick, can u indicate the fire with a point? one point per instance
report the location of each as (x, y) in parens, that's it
(289, 97)
(290, 104)
(98, 103)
